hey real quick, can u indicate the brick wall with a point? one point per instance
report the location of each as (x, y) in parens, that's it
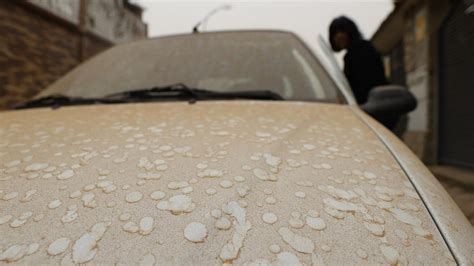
(36, 49)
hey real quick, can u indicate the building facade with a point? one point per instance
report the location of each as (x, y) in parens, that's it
(428, 47)
(41, 40)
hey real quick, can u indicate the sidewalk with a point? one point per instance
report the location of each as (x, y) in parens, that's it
(460, 185)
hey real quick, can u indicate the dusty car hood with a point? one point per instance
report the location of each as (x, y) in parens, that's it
(206, 183)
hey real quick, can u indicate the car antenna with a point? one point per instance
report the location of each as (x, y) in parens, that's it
(204, 20)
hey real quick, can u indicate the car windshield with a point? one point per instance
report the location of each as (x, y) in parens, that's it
(220, 61)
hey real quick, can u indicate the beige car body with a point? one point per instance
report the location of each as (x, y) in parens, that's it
(241, 182)
(215, 182)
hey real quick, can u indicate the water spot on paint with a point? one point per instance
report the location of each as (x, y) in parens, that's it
(267, 191)
(10, 196)
(418, 230)
(36, 167)
(390, 254)
(326, 166)
(28, 195)
(216, 213)
(5, 219)
(309, 147)
(195, 232)
(271, 160)
(177, 204)
(32, 176)
(38, 217)
(334, 213)
(157, 195)
(25, 215)
(275, 249)
(299, 243)
(12, 163)
(385, 205)
(14, 253)
(288, 258)
(295, 214)
(85, 248)
(177, 185)
(161, 167)
(223, 223)
(315, 223)
(226, 184)
(75, 194)
(88, 200)
(71, 214)
(17, 223)
(201, 166)
(103, 172)
(295, 151)
(210, 173)
(296, 223)
(263, 135)
(243, 203)
(263, 175)
(148, 176)
(300, 194)
(47, 176)
(32, 248)
(146, 225)
(270, 200)
(313, 213)
(342, 205)
(211, 191)
(133, 197)
(230, 251)
(124, 217)
(375, 229)
(147, 260)
(326, 248)
(405, 217)
(246, 167)
(239, 178)
(403, 237)
(130, 227)
(54, 204)
(6, 178)
(66, 174)
(58, 246)
(269, 218)
(369, 175)
(304, 183)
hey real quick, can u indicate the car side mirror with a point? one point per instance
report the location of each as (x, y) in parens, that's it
(389, 101)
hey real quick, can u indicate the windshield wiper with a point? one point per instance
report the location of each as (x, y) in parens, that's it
(181, 91)
(58, 100)
(171, 92)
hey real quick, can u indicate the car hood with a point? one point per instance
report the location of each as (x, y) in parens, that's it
(206, 183)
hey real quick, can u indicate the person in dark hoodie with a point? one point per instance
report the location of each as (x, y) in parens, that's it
(363, 66)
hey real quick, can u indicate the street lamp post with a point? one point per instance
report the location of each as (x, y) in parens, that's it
(203, 21)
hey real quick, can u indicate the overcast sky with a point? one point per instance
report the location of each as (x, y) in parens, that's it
(306, 18)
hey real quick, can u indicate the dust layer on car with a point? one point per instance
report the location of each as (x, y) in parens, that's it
(208, 183)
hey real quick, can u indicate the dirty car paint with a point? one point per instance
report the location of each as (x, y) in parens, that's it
(206, 183)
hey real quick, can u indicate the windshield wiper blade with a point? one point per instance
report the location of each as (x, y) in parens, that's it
(58, 100)
(171, 92)
(181, 91)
